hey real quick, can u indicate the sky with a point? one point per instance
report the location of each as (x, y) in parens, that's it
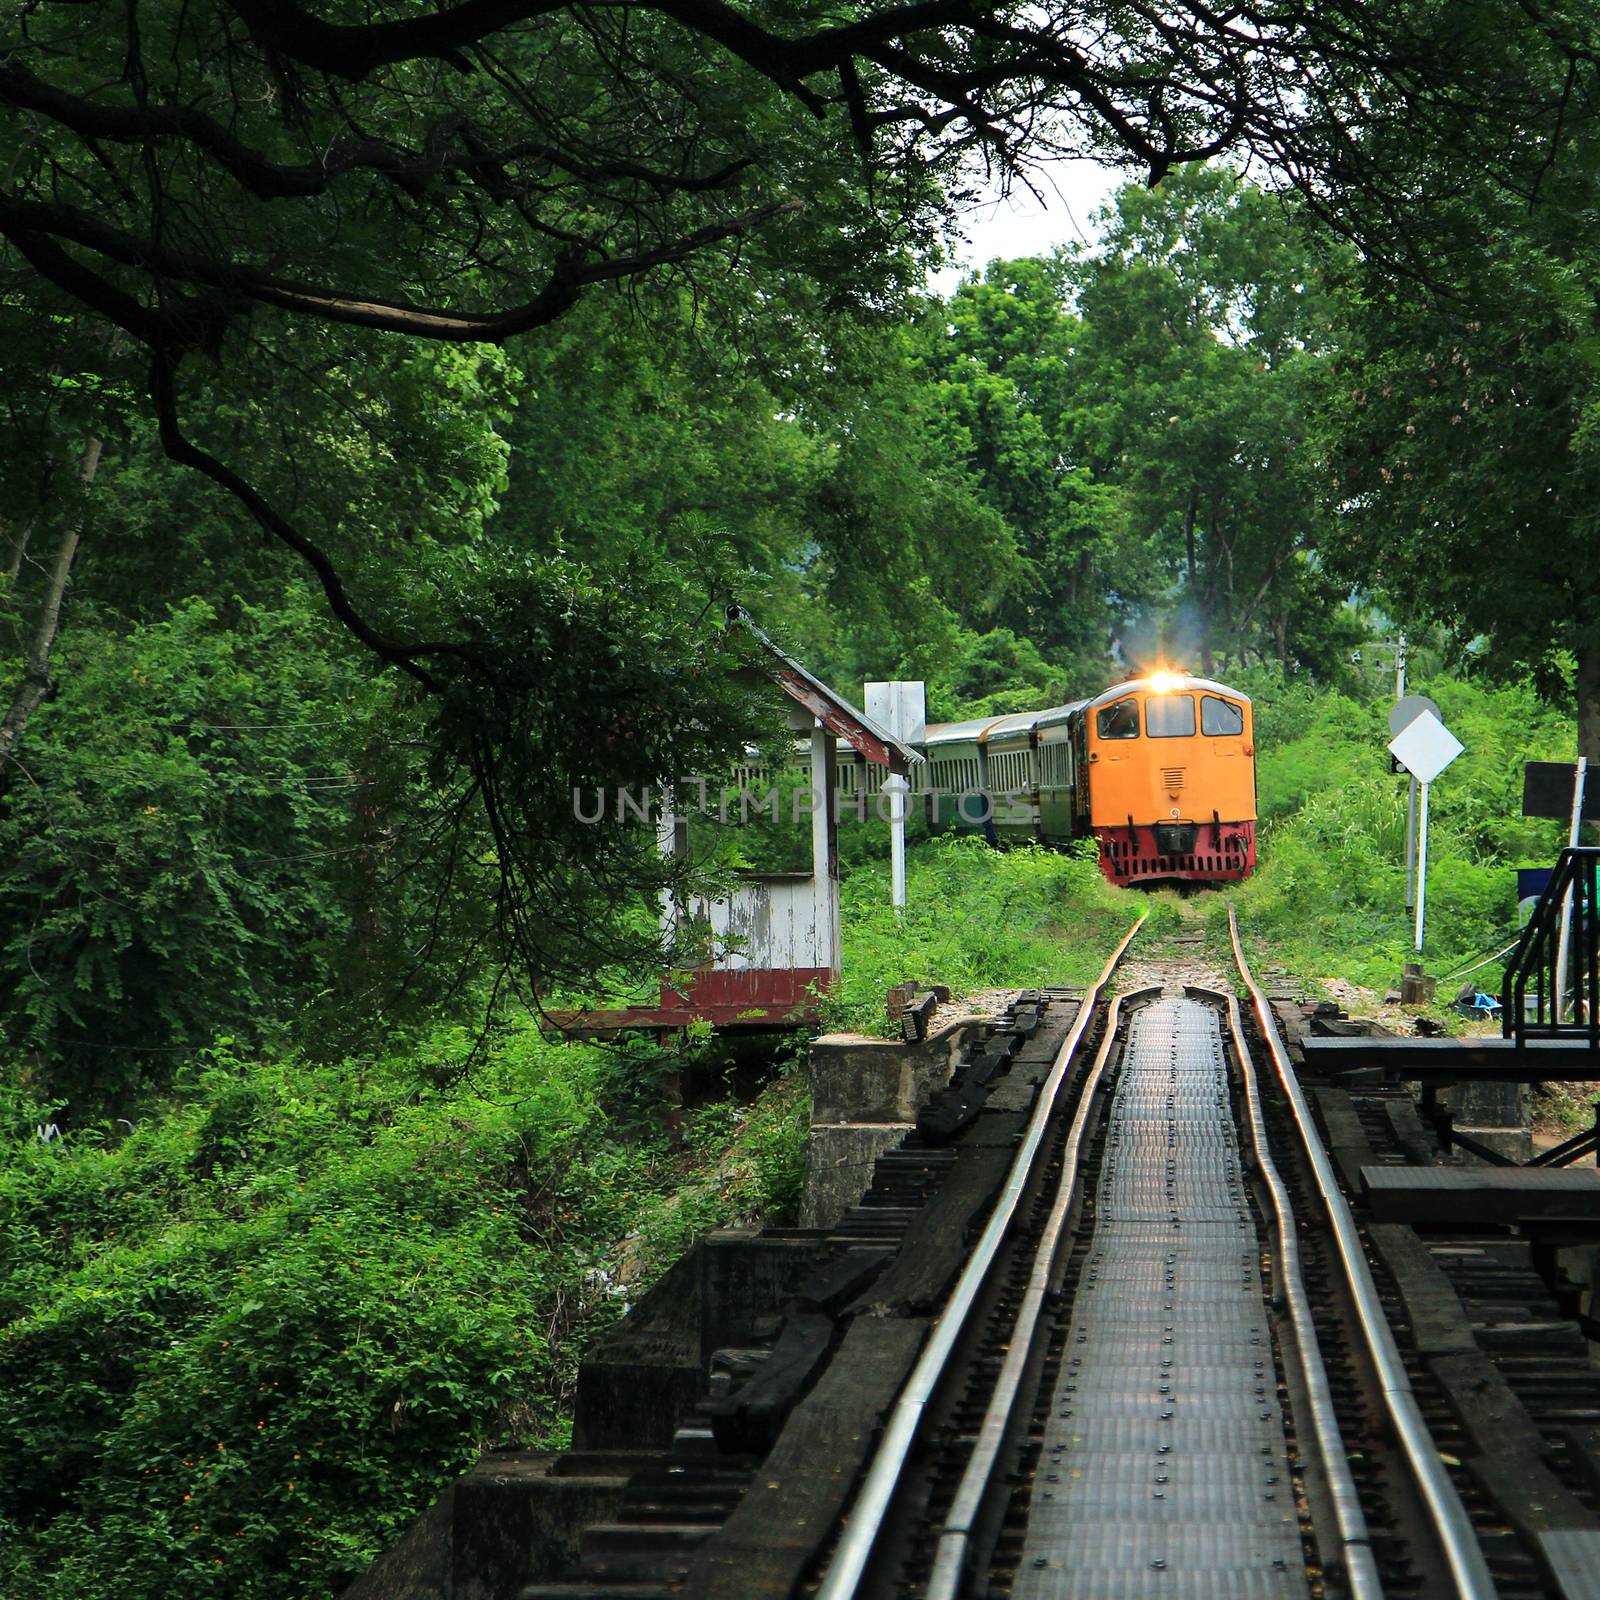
(1020, 225)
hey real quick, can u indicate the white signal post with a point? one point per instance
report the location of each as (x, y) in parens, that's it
(1411, 797)
(1407, 708)
(1422, 863)
(901, 708)
(897, 789)
(1424, 747)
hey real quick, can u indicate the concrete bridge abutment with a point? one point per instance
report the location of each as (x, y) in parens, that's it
(865, 1096)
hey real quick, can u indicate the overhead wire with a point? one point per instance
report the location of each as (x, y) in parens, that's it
(1487, 961)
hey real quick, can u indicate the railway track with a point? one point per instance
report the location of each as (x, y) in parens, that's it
(1173, 1428)
(1169, 1365)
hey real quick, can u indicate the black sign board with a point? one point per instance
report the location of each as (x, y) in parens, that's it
(1547, 790)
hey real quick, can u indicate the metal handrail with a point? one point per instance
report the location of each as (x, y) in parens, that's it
(955, 1538)
(865, 1521)
(1462, 1552)
(1565, 920)
(1360, 1564)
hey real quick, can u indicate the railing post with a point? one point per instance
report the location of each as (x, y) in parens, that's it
(1574, 831)
(1559, 951)
(1591, 947)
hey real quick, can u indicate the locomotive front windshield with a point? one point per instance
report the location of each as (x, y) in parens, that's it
(1220, 718)
(1169, 716)
(1119, 720)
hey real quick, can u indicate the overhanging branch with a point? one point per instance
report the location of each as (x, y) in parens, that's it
(179, 448)
(410, 170)
(34, 227)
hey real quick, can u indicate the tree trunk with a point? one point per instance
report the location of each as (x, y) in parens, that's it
(35, 685)
(1277, 621)
(1214, 545)
(1202, 619)
(16, 541)
(1189, 514)
(1588, 687)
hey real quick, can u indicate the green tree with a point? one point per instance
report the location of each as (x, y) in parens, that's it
(256, 194)
(1202, 353)
(792, 471)
(170, 848)
(416, 174)
(1464, 441)
(1002, 356)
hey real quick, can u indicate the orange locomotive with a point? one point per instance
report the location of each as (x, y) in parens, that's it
(1160, 769)
(1170, 780)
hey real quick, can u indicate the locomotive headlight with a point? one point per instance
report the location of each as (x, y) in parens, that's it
(1162, 683)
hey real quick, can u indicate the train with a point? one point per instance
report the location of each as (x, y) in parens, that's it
(1159, 769)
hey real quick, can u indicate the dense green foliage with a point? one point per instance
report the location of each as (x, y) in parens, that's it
(1461, 428)
(1073, 465)
(298, 1209)
(1330, 898)
(245, 1342)
(186, 815)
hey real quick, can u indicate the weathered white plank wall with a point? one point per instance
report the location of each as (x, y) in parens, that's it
(770, 921)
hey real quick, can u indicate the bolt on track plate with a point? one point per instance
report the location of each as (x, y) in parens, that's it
(1164, 1470)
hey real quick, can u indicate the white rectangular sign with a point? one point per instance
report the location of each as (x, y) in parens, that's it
(899, 708)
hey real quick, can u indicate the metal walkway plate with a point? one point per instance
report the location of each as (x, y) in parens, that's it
(1164, 1470)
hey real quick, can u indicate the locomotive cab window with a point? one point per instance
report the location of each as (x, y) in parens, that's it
(1119, 720)
(1169, 716)
(1219, 718)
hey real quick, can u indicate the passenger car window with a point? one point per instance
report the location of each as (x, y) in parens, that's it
(1218, 718)
(1169, 716)
(1119, 720)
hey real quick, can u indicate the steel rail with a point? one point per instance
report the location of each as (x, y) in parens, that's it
(866, 1517)
(1360, 1565)
(955, 1537)
(1451, 1524)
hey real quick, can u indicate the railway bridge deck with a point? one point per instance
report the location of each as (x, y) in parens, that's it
(1164, 1446)
(1116, 1320)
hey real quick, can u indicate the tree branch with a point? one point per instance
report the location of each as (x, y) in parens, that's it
(31, 225)
(409, 170)
(408, 657)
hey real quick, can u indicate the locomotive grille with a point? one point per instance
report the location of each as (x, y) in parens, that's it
(1172, 777)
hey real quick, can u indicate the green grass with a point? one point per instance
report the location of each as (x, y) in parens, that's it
(1328, 899)
(977, 918)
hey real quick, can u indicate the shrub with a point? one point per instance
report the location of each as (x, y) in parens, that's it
(244, 1345)
(1329, 898)
(976, 917)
